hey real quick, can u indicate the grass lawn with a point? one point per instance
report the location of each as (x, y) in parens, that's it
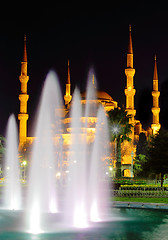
(145, 200)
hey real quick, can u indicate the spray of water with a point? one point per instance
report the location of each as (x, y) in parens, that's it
(84, 198)
(42, 192)
(12, 187)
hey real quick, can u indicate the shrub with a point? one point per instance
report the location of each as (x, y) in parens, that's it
(151, 187)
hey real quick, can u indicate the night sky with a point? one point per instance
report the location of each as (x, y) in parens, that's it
(88, 36)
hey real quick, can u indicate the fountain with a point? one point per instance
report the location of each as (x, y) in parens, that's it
(80, 204)
(12, 187)
(42, 195)
(80, 208)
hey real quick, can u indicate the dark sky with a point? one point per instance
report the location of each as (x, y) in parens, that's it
(89, 36)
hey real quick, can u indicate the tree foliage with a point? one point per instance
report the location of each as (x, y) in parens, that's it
(142, 145)
(2, 152)
(139, 162)
(157, 154)
(120, 129)
(140, 159)
(2, 143)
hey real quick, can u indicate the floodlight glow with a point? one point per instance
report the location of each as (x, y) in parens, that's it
(80, 220)
(58, 175)
(115, 129)
(94, 216)
(52, 206)
(24, 163)
(13, 204)
(35, 219)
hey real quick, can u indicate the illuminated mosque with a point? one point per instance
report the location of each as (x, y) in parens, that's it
(127, 148)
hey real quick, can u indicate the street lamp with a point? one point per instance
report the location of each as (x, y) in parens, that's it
(61, 142)
(116, 130)
(132, 173)
(24, 164)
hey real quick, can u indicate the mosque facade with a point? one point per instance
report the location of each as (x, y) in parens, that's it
(128, 149)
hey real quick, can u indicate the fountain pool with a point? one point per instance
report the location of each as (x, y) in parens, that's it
(129, 224)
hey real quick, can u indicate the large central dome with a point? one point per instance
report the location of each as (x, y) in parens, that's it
(104, 95)
(101, 95)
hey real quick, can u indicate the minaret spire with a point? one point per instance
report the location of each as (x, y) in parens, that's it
(93, 80)
(23, 97)
(25, 50)
(67, 96)
(155, 74)
(130, 49)
(68, 78)
(155, 94)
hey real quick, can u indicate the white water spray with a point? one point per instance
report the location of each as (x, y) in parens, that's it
(12, 187)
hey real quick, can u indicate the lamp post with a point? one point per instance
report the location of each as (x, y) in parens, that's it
(61, 141)
(24, 164)
(116, 129)
(132, 172)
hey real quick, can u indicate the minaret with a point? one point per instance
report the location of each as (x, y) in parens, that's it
(23, 98)
(93, 81)
(155, 94)
(67, 96)
(129, 90)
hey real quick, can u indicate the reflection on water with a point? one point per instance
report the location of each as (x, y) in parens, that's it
(139, 224)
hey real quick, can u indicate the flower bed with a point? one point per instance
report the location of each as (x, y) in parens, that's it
(129, 181)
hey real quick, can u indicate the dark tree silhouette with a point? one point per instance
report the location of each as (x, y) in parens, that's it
(158, 154)
(163, 104)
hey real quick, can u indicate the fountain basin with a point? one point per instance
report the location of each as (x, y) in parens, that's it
(125, 224)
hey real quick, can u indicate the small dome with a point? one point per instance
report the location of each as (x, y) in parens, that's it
(100, 95)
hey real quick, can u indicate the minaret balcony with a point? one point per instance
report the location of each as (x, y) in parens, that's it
(155, 94)
(130, 72)
(155, 110)
(23, 97)
(23, 116)
(131, 111)
(24, 78)
(155, 127)
(67, 99)
(130, 92)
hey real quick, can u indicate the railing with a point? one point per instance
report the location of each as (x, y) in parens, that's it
(144, 187)
(140, 193)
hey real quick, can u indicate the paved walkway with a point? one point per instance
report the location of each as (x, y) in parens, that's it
(140, 205)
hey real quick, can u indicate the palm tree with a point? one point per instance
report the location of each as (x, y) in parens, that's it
(120, 130)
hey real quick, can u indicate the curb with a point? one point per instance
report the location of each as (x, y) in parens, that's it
(119, 204)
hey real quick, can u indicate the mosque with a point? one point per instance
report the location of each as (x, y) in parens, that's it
(127, 149)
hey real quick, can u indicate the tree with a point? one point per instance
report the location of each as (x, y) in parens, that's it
(141, 152)
(141, 145)
(139, 162)
(158, 154)
(2, 152)
(120, 130)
